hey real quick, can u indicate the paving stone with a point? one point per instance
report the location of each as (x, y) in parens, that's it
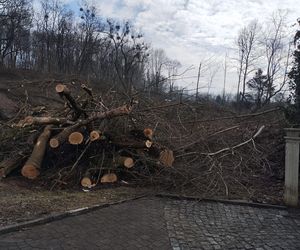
(157, 223)
(225, 226)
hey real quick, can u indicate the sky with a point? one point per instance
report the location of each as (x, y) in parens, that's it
(192, 30)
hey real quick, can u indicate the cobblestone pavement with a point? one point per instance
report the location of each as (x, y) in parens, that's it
(157, 223)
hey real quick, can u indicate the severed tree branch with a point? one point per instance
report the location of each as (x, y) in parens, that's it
(238, 145)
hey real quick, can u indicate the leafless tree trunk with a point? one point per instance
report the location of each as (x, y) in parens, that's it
(247, 41)
(275, 54)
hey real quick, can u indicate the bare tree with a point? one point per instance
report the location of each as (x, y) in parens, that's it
(55, 42)
(129, 53)
(212, 74)
(14, 30)
(225, 67)
(246, 42)
(172, 69)
(157, 67)
(275, 54)
(205, 64)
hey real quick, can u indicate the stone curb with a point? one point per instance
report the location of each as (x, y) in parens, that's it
(232, 202)
(59, 216)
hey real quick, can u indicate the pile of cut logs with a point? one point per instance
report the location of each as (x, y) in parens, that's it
(80, 144)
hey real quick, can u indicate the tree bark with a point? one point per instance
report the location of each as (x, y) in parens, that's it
(30, 120)
(63, 135)
(132, 144)
(164, 155)
(31, 169)
(10, 164)
(63, 91)
(109, 178)
(95, 135)
(124, 161)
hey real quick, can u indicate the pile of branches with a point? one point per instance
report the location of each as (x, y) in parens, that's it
(220, 152)
(85, 142)
(217, 151)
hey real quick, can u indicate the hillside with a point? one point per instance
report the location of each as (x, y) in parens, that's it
(215, 152)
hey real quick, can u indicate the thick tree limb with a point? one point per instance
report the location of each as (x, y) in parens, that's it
(75, 138)
(63, 91)
(63, 135)
(32, 167)
(109, 178)
(30, 120)
(10, 164)
(124, 161)
(95, 135)
(132, 144)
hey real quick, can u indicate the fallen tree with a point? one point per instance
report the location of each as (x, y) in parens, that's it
(32, 167)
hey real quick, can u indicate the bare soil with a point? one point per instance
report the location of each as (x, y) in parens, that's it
(22, 201)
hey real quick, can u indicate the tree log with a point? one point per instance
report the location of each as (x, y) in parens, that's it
(63, 91)
(61, 88)
(76, 138)
(10, 164)
(87, 180)
(109, 178)
(127, 162)
(164, 155)
(146, 134)
(88, 90)
(59, 139)
(95, 135)
(63, 135)
(30, 120)
(132, 144)
(32, 167)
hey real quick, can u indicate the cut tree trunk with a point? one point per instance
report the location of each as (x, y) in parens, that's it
(127, 162)
(87, 181)
(61, 88)
(31, 169)
(56, 141)
(148, 132)
(59, 139)
(109, 178)
(76, 138)
(10, 164)
(63, 91)
(95, 135)
(164, 155)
